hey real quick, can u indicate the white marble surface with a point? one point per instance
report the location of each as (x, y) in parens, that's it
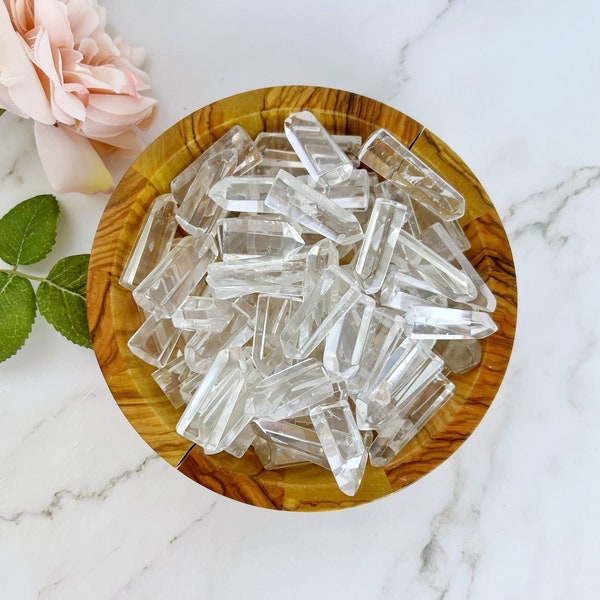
(86, 508)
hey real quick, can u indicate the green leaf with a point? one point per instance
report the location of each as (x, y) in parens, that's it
(61, 298)
(2, 111)
(28, 231)
(17, 312)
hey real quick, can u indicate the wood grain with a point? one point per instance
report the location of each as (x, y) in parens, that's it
(113, 316)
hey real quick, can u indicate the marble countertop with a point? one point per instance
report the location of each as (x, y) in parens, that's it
(87, 510)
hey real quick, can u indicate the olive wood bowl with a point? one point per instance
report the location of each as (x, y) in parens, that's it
(113, 316)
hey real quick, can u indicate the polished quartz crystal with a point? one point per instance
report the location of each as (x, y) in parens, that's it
(325, 161)
(432, 322)
(332, 297)
(387, 156)
(216, 414)
(319, 256)
(242, 194)
(418, 260)
(410, 366)
(238, 446)
(400, 291)
(381, 235)
(437, 237)
(272, 313)
(386, 333)
(342, 443)
(192, 382)
(345, 342)
(257, 236)
(300, 203)
(154, 341)
(276, 146)
(426, 219)
(167, 286)
(170, 378)
(235, 139)
(197, 211)
(390, 191)
(204, 345)
(352, 194)
(152, 242)
(408, 419)
(258, 275)
(459, 356)
(291, 391)
(287, 444)
(203, 313)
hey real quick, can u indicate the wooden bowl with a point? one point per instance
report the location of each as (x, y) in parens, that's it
(113, 316)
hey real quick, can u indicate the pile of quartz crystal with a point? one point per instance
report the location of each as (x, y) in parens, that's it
(307, 295)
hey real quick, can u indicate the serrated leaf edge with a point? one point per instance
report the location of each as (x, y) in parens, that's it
(35, 314)
(17, 263)
(54, 326)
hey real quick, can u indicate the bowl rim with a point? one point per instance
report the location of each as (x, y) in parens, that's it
(109, 309)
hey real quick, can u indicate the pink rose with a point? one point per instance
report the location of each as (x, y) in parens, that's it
(60, 68)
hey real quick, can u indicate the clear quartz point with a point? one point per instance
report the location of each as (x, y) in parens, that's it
(258, 275)
(154, 341)
(291, 391)
(432, 322)
(390, 191)
(300, 203)
(276, 146)
(426, 219)
(332, 297)
(345, 342)
(323, 158)
(459, 356)
(288, 444)
(203, 313)
(242, 194)
(352, 194)
(191, 383)
(319, 256)
(170, 377)
(167, 286)
(152, 242)
(385, 334)
(216, 415)
(197, 211)
(408, 419)
(273, 456)
(419, 261)
(257, 236)
(239, 445)
(400, 291)
(272, 313)
(235, 139)
(387, 156)
(411, 366)
(342, 443)
(204, 345)
(437, 237)
(379, 243)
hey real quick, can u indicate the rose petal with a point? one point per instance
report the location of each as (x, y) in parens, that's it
(70, 161)
(52, 17)
(125, 145)
(22, 13)
(18, 75)
(83, 18)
